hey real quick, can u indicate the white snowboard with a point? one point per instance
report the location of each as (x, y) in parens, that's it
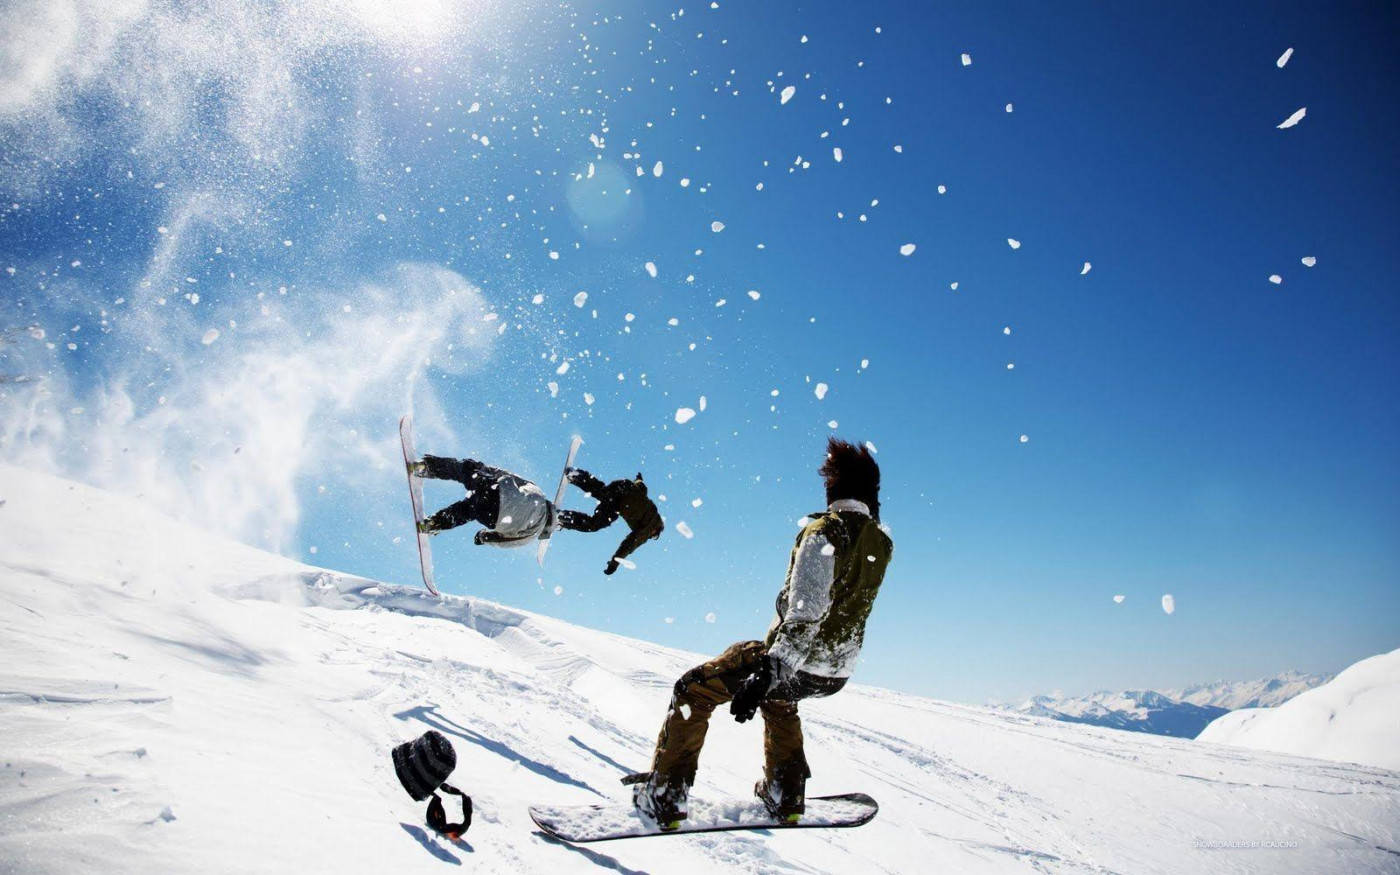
(559, 498)
(619, 820)
(415, 493)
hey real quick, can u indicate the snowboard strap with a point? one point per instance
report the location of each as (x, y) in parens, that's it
(437, 817)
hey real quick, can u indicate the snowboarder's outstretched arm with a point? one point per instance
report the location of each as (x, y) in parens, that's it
(587, 482)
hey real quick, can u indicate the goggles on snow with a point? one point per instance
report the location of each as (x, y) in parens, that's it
(437, 817)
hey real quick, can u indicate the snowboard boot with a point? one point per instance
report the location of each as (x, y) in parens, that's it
(426, 527)
(417, 468)
(659, 800)
(783, 803)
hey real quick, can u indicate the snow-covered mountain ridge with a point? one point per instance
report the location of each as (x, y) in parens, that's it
(1181, 713)
(173, 701)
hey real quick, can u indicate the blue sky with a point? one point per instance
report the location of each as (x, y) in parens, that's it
(367, 208)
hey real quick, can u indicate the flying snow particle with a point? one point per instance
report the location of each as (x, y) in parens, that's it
(651, 269)
(553, 389)
(943, 189)
(562, 369)
(1294, 118)
(684, 530)
(832, 424)
(673, 322)
(580, 299)
(703, 403)
(627, 563)
(864, 363)
(966, 59)
(672, 620)
(656, 169)
(1006, 330)
(1010, 107)
(836, 153)
(1309, 261)
(684, 415)
(1283, 58)
(588, 398)
(210, 336)
(710, 617)
(754, 295)
(1087, 267)
(381, 217)
(907, 249)
(559, 590)
(685, 182)
(1011, 366)
(537, 299)
(1169, 603)
(696, 502)
(1013, 242)
(1025, 438)
(716, 227)
(871, 447)
(787, 94)
(1275, 279)
(820, 391)
(1118, 599)
(553, 256)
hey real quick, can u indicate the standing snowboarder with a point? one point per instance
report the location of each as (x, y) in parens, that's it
(834, 573)
(625, 498)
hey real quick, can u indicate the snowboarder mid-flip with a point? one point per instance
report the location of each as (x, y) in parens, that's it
(625, 498)
(515, 512)
(833, 575)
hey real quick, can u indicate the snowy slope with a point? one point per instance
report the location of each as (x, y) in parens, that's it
(1354, 718)
(172, 701)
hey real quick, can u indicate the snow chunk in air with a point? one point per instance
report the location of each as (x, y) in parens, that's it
(684, 530)
(1013, 242)
(820, 391)
(1168, 604)
(684, 415)
(716, 226)
(1294, 118)
(1118, 599)
(580, 299)
(966, 59)
(1309, 260)
(1283, 58)
(210, 336)
(787, 94)
(907, 249)
(651, 269)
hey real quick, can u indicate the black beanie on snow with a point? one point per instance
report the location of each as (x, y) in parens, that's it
(424, 763)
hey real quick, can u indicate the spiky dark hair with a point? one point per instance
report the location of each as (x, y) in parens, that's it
(849, 471)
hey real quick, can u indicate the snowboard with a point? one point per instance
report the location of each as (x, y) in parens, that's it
(558, 498)
(415, 494)
(619, 820)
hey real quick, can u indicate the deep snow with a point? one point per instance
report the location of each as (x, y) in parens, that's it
(173, 701)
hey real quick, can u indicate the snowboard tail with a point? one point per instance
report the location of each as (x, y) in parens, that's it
(415, 494)
(620, 820)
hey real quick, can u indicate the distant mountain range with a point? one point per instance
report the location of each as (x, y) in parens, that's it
(1179, 713)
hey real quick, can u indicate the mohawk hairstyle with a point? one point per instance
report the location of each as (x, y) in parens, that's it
(850, 471)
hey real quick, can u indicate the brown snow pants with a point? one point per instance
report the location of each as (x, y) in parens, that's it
(710, 685)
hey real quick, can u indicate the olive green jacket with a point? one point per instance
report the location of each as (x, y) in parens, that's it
(834, 574)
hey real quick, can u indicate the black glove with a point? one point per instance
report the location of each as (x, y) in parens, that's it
(612, 566)
(751, 691)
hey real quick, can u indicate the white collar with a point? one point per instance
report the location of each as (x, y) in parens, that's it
(850, 504)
